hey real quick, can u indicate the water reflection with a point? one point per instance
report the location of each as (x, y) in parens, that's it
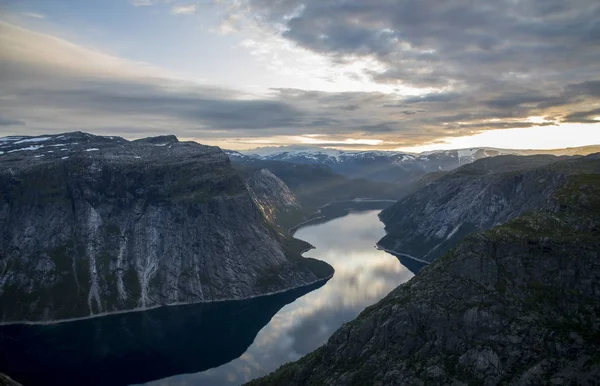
(363, 275)
(145, 346)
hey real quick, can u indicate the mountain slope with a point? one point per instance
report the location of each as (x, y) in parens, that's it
(92, 225)
(516, 304)
(316, 185)
(391, 166)
(477, 196)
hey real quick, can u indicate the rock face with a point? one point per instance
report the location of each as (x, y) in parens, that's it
(93, 225)
(514, 305)
(274, 198)
(478, 196)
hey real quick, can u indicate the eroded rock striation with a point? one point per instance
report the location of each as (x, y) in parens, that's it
(514, 305)
(92, 225)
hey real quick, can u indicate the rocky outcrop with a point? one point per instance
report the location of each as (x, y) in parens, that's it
(514, 305)
(275, 199)
(93, 225)
(478, 196)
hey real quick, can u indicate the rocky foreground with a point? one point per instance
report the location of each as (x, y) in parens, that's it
(92, 225)
(516, 304)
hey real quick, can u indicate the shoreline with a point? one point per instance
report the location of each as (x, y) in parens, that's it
(401, 254)
(308, 222)
(291, 231)
(99, 315)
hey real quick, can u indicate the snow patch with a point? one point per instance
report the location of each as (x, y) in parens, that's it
(29, 148)
(10, 139)
(39, 139)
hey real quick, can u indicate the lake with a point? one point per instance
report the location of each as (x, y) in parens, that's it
(225, 343)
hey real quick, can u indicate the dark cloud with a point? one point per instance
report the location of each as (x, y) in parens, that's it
(490, 59)
(439, 97)
(584, 116)
(426, 43)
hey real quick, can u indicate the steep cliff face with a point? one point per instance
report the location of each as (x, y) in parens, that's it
(478, 196)
(275, 199)
(93, 225)
(517, 304)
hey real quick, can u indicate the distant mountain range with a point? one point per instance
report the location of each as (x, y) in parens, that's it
(390, 166)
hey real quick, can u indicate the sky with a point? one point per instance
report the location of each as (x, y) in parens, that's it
(354, 74)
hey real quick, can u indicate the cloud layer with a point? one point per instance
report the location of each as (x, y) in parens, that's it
(476, 66)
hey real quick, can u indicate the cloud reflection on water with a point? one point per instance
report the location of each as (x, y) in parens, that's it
(363, 275)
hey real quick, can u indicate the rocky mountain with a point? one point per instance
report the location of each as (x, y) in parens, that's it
(391, 166)
(275, 199)
(92, 225)
(513, 305)
(478, 196)
(316, 185)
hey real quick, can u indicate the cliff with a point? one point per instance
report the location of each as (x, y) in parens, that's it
(92, 225)
(475, 197)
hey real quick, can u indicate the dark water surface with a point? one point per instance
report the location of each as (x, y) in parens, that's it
(225, 343)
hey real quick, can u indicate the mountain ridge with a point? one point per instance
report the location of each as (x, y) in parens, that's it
(393, 166)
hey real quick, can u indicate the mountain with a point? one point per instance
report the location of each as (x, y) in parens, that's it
(516, 304)
(478, 196)
(391, 166)
(275, 199)
(316, 185)
(92, 225)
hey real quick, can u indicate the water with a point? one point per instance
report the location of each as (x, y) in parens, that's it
(225, 343)
(363, 275)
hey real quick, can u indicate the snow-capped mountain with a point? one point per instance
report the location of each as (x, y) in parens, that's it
(375, 165)
(391, 166)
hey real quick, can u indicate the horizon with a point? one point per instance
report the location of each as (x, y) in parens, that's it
(306, 147)
(245, 74)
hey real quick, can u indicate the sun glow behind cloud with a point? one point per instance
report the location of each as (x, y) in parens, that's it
(549, 137)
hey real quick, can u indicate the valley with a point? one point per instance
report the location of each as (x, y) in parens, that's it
(292, 269)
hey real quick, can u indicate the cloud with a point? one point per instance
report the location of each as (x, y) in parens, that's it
(184, 9)
(143, 3)
(437, 43)
(591, 116)
(52, 85)
(34, 15)
(497, 58)
(10, 122)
